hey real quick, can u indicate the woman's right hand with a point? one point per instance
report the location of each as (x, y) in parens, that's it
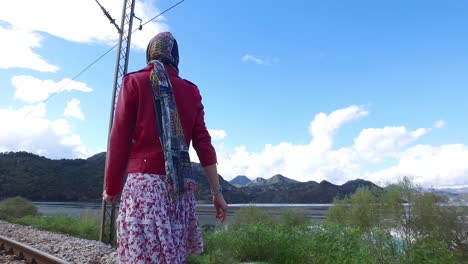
(108, 198)
(220, 206)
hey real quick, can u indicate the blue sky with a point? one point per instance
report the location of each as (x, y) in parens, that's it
(314, 90)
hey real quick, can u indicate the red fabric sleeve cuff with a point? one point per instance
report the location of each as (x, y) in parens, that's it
(208, 162)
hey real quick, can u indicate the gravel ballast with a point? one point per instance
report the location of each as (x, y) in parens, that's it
(9, 259)
(72, 249)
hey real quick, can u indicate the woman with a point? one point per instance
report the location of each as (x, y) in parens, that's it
(157, 220)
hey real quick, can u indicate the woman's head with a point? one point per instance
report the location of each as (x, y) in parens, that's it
(163, 47)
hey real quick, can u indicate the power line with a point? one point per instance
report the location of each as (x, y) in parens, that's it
(160, 14)
(78, 74)
(102, 56)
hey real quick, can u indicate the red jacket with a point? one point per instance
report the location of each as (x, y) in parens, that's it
(134, 141)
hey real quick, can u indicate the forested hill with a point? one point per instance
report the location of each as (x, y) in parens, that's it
(42, 179)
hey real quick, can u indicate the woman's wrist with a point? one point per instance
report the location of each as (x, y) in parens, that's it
(217, 191)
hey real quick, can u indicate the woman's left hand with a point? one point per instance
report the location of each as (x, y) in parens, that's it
(220, 206)
(108, 198)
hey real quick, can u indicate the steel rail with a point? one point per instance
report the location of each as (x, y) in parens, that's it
(30, 254)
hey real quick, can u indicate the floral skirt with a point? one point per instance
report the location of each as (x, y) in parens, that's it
(152, 229)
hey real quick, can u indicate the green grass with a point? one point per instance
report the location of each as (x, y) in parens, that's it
(256, 237)
(21, 211)
(84, 227)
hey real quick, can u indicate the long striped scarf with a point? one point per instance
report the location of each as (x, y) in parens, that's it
(163, 49)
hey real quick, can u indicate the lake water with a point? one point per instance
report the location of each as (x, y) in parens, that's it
(205, 211)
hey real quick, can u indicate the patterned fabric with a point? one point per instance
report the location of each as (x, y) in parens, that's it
(177, 160)
(163, 47)
(152, 229)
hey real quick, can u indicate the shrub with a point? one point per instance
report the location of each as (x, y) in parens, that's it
(363, 213)
(216, 257)
(358, 211)
(251, 215)
(294, 218)
(292, 240)
(339, 212)
(429, 252)
(416, 219)
(255, 235)
(334, 244)
(273, 243)
(17, 207)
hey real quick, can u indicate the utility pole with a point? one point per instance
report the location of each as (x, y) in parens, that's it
(108, 213)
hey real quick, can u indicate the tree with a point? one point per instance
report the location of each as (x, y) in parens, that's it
(415, 218)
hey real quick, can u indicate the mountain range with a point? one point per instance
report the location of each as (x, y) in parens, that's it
(239, 181)
(42, 179)
(453, 190)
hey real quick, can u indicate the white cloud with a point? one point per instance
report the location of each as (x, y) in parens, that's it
(73, 109)
(445, 165)
(312, 161)
(217, 134)
(80, 21)
(323, 127)
(378, 154)
(146, 10)
(16, 50)
(31, 90)
(248, 57)
(28, 129)
(378, 143)
(440, 124)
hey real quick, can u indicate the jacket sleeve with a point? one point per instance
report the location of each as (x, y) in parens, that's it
(202, 139)
(120, 141)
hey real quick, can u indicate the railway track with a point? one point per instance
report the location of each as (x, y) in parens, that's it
(30, 254)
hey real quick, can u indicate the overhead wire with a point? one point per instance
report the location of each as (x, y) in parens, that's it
(162, 13)
(104, 54)
(78, 74)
